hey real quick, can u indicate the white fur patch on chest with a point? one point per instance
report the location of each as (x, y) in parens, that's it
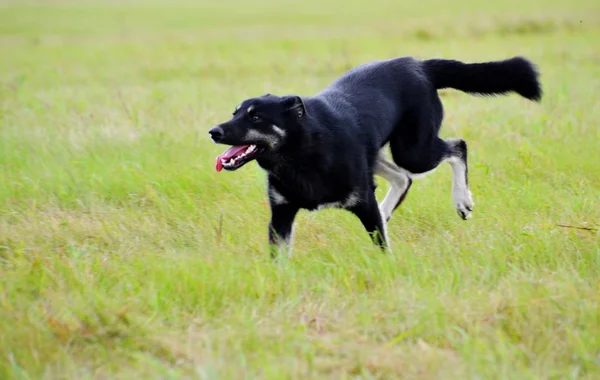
(276, 197)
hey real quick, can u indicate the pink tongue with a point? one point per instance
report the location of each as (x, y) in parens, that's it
(231, 152)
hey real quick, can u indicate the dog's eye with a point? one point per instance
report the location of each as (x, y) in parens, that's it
(255, 118)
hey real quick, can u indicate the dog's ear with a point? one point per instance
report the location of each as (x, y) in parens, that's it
(295, 104)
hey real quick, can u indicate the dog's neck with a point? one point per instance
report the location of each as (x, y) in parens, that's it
(277, 163)
(300, 149)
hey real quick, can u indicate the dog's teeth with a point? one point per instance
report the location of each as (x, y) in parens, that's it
(234, 160)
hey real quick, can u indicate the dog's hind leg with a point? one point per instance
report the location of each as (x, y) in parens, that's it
(370, 216)
(463, 199)
(425, 158)
(399, 181)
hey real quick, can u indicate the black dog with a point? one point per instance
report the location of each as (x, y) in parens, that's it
(323, 151)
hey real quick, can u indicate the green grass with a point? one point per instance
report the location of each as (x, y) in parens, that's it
(123, 254)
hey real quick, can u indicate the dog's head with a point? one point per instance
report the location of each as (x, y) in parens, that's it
(259, 126)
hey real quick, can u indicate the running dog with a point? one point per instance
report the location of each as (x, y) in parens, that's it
(324, 150)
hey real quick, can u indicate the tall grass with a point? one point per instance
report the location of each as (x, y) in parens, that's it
(124, 254)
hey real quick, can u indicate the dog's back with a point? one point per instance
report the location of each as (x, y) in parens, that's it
(390, 93)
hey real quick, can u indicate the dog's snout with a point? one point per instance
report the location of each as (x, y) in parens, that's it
(216, 133)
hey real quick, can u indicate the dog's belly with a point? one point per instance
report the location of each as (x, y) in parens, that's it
(315, 190)
(309, 199)
(351, 200)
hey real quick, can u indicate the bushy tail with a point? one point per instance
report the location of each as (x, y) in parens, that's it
(488, 78)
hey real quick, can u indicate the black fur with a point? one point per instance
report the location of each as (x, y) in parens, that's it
(516, 74)
(332, 140)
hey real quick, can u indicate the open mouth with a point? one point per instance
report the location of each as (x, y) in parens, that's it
(237, 156)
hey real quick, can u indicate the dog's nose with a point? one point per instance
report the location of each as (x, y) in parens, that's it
(216, 133)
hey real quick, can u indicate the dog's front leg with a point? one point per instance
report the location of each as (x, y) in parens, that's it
(281, 228)
(370, 215)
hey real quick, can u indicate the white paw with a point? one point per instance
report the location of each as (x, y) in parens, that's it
(463, 200)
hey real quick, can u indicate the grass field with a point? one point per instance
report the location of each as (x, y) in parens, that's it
(123, 254)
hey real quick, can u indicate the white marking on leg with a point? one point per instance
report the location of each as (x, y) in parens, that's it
(463, 199)
(290, 240)
(398, 180)
(385, 233)
(284, 244)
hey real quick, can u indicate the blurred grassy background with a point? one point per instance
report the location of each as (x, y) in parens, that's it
(123, 253)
